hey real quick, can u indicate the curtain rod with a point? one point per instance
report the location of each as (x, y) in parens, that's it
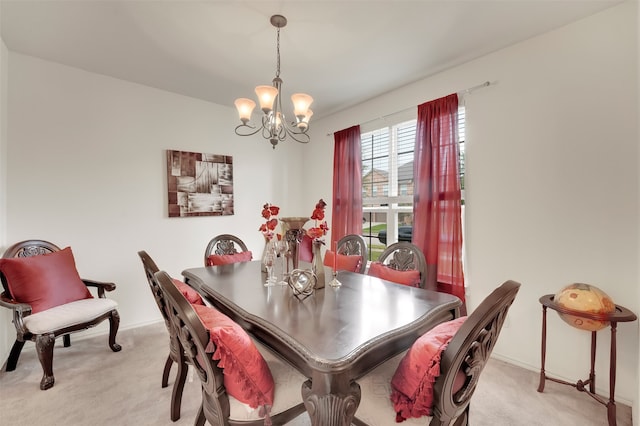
(461, 92)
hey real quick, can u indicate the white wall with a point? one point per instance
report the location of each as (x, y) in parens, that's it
(636, 406)
(4, 54)
(6, 338)
(552, 182)
(87, 169)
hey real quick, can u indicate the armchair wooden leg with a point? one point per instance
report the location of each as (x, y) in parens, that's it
(44, 347)
(114, 323)
(66, 340)
(167, 370)
(14, 355)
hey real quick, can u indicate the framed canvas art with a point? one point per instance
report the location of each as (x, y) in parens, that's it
(199, 184)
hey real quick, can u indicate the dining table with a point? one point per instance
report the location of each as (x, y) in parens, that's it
(335, 335)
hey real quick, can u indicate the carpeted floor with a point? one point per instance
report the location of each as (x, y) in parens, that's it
(96, 387)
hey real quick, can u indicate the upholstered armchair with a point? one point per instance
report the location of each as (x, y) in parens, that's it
(49, 299)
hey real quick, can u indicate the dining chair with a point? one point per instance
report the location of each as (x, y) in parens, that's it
(226, 248)
(213, 343)
(401, 262)
(463, 347)
(352, 253)
(150, 268)
(49, 299)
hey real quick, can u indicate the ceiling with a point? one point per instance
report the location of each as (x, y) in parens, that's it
(340, 52)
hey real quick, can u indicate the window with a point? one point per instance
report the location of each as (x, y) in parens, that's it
(387, 182)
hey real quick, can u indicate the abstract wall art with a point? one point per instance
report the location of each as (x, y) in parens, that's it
(199, 184)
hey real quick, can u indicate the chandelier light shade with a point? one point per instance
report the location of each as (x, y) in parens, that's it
(274, 125)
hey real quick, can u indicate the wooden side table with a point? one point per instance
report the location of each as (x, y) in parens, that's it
(621, 314)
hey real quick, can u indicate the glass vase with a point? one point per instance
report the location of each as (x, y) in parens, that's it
(268, 246)
(317, 265)
(293, 233)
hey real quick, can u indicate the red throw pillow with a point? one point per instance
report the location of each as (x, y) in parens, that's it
(226, 259)
(412, 383)
(246, 374)
(189, 293)
(44, 281)
(343, 262)
(410, 278)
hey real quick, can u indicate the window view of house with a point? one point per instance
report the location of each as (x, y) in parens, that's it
(387, 182)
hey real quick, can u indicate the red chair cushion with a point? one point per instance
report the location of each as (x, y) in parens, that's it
(412, 383)
(189, 293)
(410, 278)
(246, 374)
(343, 262)
(44, 281)
(226, 259)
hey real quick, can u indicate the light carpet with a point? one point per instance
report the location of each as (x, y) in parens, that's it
(95, 386)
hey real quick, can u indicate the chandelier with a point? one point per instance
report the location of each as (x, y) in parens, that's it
(274, 126)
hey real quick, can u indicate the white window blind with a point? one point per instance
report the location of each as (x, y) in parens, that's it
(387, 179)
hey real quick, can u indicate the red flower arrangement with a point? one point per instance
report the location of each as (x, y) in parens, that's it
(318, 231)
(269, 212)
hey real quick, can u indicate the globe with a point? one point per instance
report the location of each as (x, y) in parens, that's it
(584, 298)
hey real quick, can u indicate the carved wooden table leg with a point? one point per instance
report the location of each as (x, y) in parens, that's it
(330, 400)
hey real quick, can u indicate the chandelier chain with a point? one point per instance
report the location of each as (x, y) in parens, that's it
(278, 54)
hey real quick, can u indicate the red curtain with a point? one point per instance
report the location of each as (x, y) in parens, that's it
(347, 184)
(437, 227)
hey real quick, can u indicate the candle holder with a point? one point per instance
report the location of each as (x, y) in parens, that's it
(334, 281)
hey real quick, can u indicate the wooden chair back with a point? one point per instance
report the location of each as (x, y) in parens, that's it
(224, 244)
(468, 352)
(175, 350)
(404, 256)
(461, 364)
(193, 338)
(26, 248)
(150, 268)
(352, 245)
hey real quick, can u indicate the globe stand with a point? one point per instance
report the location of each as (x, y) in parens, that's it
(620, 314)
